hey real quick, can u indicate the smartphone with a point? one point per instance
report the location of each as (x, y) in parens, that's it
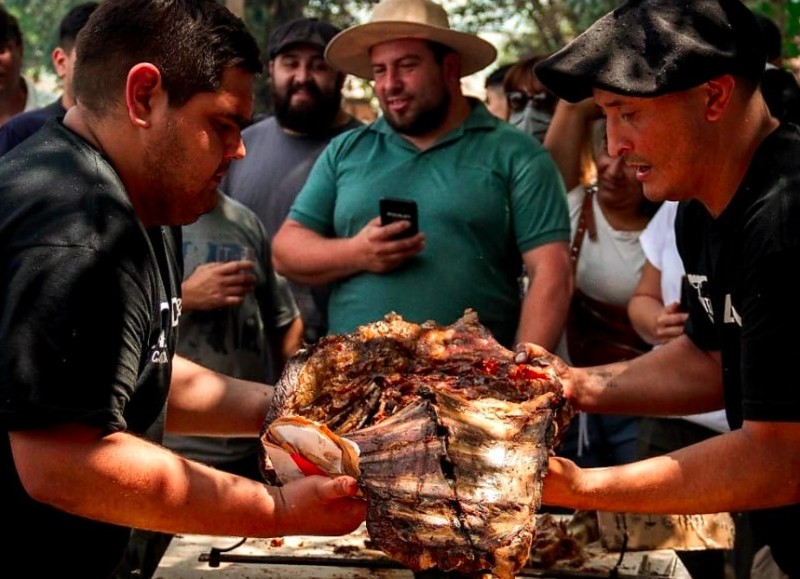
(394, 209)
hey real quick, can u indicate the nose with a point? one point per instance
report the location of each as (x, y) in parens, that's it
(237, 149)
(302, 74)
(390, 79)
(618, 144)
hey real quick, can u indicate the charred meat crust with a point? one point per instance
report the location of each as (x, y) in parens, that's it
(454, 436)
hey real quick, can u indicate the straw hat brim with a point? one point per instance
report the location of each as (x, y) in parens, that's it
(349, 50)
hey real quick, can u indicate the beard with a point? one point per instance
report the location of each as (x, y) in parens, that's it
(422, 122)
(308, 119)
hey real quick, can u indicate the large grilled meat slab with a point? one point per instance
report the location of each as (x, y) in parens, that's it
(453, 437)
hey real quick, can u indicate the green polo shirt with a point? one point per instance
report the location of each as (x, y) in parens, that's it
(486, 193)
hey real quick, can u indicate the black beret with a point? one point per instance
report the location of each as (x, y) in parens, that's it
(647, 48)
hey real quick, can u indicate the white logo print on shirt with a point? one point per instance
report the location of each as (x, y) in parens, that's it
(170, 313)
(700, 285)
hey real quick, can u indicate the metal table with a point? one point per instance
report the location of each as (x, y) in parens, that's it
(347, 557)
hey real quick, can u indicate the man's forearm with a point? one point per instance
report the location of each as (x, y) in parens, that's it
(311, 259)
(544, 313)
(202, 402)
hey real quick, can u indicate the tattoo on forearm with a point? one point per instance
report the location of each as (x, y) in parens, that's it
(603, 378)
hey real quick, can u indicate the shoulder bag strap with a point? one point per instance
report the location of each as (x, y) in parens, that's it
(585, 223)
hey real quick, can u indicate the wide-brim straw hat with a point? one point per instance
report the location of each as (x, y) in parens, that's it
(349, 50)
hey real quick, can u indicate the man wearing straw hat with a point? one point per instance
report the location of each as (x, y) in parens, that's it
(489, 197)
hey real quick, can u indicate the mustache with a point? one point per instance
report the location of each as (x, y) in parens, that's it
(635, 160)
(308, 86)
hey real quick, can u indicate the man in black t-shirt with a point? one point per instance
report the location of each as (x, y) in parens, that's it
(679, 85)
(90, 281)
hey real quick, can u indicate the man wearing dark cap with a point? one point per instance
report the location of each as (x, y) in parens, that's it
(307, 95)
(679, 84)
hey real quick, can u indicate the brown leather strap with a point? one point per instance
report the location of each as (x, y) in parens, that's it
(586, 223)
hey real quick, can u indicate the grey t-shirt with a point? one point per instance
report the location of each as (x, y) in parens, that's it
(267, 181)
(236, 340)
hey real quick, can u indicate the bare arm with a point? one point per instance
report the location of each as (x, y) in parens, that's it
(292, 339)
(303, 255)
(676, 379)
(205, 402)
(545, 306)
(289, 340)
(568, 137)
(122, 479)
(702, 478)
(655, 322)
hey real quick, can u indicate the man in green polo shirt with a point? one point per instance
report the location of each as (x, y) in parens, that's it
(490, 199)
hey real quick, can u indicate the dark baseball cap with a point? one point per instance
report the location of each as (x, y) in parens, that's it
(301, 31)
(647, 48)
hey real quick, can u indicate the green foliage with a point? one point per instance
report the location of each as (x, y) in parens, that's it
(39, 20)
(786, 14)
(526, 25)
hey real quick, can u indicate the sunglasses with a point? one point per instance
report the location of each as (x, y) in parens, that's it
(518, 100)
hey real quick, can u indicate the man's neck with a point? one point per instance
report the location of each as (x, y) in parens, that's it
(458, 112)
(748, 129)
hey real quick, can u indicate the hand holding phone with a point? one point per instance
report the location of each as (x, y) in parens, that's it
(395, 209)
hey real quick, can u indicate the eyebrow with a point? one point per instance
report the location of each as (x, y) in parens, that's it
(612, 104)
(243, 122)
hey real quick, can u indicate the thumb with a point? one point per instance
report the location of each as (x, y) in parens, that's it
(339, 487)
(526, 352)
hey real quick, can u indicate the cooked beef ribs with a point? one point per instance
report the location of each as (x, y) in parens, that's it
(453, 435)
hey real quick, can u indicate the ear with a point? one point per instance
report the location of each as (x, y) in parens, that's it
(59, 59)
(451, 66)
(719, 92)
(271, 67)
(143, 92)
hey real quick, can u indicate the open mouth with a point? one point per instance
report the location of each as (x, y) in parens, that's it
(643, 171)
(397, 103)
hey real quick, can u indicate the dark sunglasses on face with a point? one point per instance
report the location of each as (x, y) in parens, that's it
(518, 100)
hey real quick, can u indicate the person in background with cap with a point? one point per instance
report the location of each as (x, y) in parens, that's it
(23, 125)
(307, 96)
(489, 197)
(683, 106)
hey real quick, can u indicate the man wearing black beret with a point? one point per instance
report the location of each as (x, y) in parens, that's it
(679, 84)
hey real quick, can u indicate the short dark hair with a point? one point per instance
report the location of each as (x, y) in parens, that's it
(192, 42)
(72, 23)
(498, 75)
(440, 51)
(9, 27)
